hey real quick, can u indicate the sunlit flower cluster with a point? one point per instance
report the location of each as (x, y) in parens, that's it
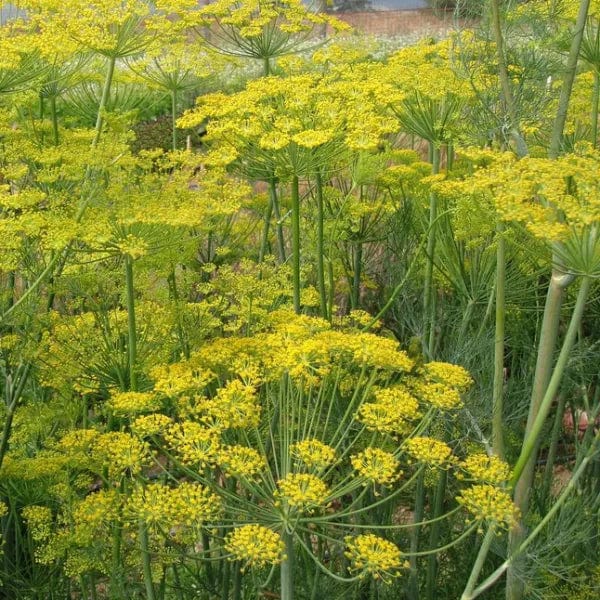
(376, 465)
(488, 469)
(255, 545)
(313, 453)
(429, 451)
(488, 503)
(370, 555)
(302, 491)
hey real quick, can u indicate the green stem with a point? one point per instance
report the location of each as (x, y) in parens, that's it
(569, 77)
(104, 99)
(523, 472)
(54, 115)
(237, 581)
(479, 562)
(413, 582)
(434, 536)
(321, 246)
(276, 212)
(356, 274)
(174, 118)
(146, 562)
(287, 568)
(532, 439)
(264, 242)
(296, 242)
(131, 328)
(498, 385)
(429, 292)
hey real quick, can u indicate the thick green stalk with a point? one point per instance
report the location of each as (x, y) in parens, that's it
(296, 242)
(237, 581)
(264, 242)
(321, 246)
(146, 562)
(174, 119)
(131, 327)
(434, 536)
(54, 115)
(280, 237)
(523, 471)
(412, 591)
(532, 440)
(429, 292)
(479, 562)
(498, 385)
(356, 275)
(110, 72)
(287, 568)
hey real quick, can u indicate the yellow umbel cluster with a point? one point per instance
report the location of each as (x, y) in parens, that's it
(374, 556)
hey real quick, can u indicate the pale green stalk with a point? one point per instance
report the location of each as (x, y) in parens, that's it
(131, 327)
(279, 226)
(434, 536)
(174, 118)
(429, 291)
(498, 385)
(532, 440)
(321, 246)
(479, 562)
(146, 561)
(264, 242)
(296, 242)
(287, 567)
(413, 582)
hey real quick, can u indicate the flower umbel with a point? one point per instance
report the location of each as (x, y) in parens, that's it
(374, 556)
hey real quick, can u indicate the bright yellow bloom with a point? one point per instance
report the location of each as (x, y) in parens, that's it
(313, 453)
(488, 469)
(240, 461)
(376, 465)
(255, 546)
(429, 450)
(302, 491)
(488, 503)
(373, 556)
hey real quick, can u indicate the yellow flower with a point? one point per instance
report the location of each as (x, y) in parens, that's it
(429, 450)
(194, 443)
(376, 465)
(484, 468)
(302, 491)
(374, 556)
(240, 461)
(255, 546)
(488, 503)
(187, 505)
(451, 375)
(150, 425)
(313, 453)
(127, 403)
(393, 409)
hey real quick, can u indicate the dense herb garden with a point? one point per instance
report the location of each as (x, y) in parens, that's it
(291, 312)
